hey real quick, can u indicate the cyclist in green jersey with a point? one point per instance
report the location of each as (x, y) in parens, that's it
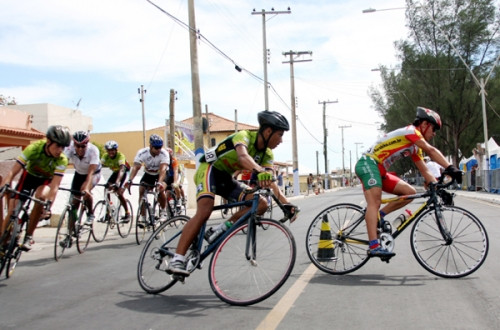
(117, 162)
(243, 150)
(42, 165)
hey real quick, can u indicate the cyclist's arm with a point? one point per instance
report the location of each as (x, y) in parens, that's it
(424, 170)
(133, 172)
(54, 187)
(162, 173)
(87, 185)
(16, 168)
(432, 152)
(121, 173)
(245, 160)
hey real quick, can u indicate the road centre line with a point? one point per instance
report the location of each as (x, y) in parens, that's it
(279, 311)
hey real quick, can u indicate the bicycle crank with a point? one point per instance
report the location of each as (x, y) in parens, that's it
(387, 242)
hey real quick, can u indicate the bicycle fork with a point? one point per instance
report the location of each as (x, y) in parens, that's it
(251, 244)
(442, 226)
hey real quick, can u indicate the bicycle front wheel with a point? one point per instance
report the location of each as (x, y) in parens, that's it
(63, 236)
(9, 242)
(238, 280)
(141, 223)
(461, 256)
(100, 225)
(83, 232)
(125, 226)
(156, 254)
(336, 241)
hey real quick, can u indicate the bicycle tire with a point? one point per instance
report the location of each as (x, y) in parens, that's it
(330, 250)
(12, 262)
(84, 232)
(140, 226)
(63, 239)
(100, 225)
(153, 262)
(242, 282)
(466, 253)
(124, 228)
(11, 230)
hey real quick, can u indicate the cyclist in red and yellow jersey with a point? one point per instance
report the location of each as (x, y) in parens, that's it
(372, 169)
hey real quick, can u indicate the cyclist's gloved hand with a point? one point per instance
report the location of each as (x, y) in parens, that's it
(454, 172)
(175, 185)
(264, 176)
(291, 211)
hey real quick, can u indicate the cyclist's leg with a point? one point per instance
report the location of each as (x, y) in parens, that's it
(204, 178)
(394, 185)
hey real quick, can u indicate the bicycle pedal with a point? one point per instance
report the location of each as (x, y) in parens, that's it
(179, 278)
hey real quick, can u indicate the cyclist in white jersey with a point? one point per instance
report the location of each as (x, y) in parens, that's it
(85, 158)
(155, 160)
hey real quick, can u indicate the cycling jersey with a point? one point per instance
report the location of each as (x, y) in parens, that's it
(151, 163)
(396, 145)
(39, 164)
(81, 165)
(227, 157)
(114, 163)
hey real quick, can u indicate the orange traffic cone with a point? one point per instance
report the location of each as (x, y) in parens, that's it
(325, 246)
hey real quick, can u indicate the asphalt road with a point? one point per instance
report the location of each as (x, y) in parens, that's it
(99, 289)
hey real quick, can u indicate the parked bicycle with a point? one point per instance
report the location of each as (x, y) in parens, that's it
(110, 213)
(72, 226)
(446, 240)
(10, 250)
(244, 268)
(148, 212)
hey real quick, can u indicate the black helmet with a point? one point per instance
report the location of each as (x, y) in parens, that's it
(273, 119)
(59, 134)
(429, 115)
(81, 137)
(156, 141)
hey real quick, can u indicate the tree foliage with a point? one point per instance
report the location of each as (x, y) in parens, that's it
(448, 39)
(7, 100)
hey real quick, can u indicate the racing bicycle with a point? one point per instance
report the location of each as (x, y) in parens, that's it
(72, 226)
(110, 213)
(244, 269)
(447, 240)
(10, 241)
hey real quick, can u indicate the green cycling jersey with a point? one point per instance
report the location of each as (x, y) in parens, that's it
(114, 163)
(227, 158)
(40, 164)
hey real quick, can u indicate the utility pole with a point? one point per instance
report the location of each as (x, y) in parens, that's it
(325, 134)
(195, 83)
(357, 143)
(209, 142)
(293, 55)
(317, 163)
(265, 52)
(171, 137)
(142, 91)
(343, 167)
(235, 120)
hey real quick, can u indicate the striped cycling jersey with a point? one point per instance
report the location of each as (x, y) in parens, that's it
(395, 145)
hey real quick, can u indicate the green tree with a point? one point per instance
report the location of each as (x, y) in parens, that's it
(7, 100)
(443, 35)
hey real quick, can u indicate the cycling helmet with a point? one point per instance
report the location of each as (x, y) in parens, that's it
(111, 145)
(59, 134)
(273, 119)
(155, 141)
(429, 115)
(81, 137)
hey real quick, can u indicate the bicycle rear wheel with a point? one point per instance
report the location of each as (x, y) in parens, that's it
(159, 248)
(336, 241)
(124, 228)
(239, 281)
(460, 257)
(63, 239)
(83, 232)
(100, 225)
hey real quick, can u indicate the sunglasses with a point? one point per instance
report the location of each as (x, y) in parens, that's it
(80, 146)
(157, 148)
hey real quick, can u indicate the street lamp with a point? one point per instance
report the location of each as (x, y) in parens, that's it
(372, 10)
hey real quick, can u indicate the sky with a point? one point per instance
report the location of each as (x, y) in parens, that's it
(94, 55)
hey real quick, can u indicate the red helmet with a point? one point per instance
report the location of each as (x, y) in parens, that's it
(429, 115)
